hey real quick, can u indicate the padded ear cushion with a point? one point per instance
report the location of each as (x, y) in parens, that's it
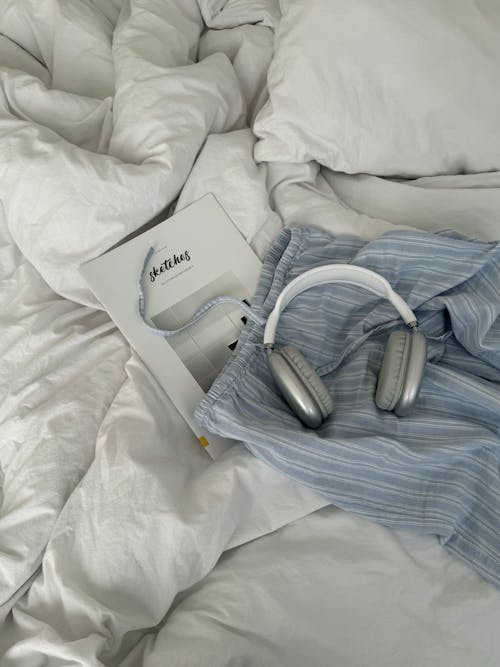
(309, 377)
(393, 370)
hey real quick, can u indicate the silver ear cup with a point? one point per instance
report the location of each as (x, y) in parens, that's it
(392, 371)
(300, 386)
(402, 372)
(415, 370)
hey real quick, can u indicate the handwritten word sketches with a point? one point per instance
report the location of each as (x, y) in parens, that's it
(169, 263)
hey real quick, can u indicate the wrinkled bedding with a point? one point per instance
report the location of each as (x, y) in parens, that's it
(121, 543)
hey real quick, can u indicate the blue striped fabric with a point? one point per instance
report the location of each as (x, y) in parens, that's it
(435, 471)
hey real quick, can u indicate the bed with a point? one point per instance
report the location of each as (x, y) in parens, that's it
(121, 542)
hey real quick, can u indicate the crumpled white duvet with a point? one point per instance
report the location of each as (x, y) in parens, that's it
(120, 542)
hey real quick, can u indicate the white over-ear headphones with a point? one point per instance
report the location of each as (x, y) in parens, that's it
(402, 369)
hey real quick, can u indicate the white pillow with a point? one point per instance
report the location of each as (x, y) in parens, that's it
(386, 87)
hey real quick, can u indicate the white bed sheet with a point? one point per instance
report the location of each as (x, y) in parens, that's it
(120, 543)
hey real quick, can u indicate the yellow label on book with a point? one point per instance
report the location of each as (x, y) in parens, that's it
(203, 440)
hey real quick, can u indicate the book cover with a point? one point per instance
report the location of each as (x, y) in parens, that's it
(198, 255)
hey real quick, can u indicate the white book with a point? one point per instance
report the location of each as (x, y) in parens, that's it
(198, 255)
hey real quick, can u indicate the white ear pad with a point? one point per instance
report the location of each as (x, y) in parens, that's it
(402, 371)
(300, 385)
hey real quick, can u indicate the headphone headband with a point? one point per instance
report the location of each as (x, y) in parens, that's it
(343, 273)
